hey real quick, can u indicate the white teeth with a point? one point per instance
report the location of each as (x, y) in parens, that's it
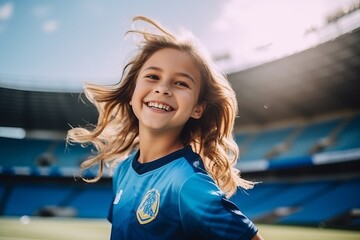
(159, 106)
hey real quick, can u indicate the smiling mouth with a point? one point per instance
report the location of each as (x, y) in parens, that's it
(159, 106)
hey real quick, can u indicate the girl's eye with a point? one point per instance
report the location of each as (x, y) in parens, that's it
(152, 76)
(182, 84)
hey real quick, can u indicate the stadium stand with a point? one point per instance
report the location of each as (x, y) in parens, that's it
(263, 143)
(335, 199)
(286, 196)
(92, 202)
(341, 195)
(305, 203)
(311, 133)
(70, 155)
(348, 138)
(24, 152)
(27, 199)
(29, 152)
(54, 198)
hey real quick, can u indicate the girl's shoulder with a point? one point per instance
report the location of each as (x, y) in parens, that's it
(187, 169)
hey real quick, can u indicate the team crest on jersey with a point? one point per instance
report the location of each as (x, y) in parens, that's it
(149, 207)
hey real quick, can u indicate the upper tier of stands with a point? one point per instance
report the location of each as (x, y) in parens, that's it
(33, 152)
(275, 145)
(337, 134)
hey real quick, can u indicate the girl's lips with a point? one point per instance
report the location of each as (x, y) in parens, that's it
(160, 106)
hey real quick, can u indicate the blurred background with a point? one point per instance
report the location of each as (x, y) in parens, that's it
(295, 67)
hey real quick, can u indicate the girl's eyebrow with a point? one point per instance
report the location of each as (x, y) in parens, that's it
(179, 73)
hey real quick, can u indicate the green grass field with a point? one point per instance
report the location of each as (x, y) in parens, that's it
(60, 229)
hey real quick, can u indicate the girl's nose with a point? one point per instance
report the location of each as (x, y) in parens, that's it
(161, 89)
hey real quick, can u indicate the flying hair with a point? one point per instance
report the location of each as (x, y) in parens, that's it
(116, 133)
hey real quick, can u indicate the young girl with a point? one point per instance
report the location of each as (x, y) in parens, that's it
(171, 117)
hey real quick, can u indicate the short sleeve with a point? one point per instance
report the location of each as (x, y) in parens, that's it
(207, 214)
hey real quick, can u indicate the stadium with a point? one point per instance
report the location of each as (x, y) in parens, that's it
(298, 131)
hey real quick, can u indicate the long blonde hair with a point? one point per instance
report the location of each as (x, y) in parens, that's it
(116, 133)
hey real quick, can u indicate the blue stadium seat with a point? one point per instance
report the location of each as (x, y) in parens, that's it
(348, 138)
(246, 199)
(310, 135)
(292, 196)
(93, 202)
(70, 155)
(342, 197)
(264, 142)
(21, 152)
(241, 138)
(24, 152)
(28, 199)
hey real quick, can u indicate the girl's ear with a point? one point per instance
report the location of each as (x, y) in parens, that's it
(198, 110)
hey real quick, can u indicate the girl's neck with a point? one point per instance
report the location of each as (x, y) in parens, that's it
(154, 146)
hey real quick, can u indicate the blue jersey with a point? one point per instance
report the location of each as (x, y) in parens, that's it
(172, 198)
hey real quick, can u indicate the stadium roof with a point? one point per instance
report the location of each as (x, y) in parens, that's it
(318, 80)
(315, 81)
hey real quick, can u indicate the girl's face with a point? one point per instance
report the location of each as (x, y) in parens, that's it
(167, 91)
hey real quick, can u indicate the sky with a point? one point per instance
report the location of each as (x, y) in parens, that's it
(64, 43)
